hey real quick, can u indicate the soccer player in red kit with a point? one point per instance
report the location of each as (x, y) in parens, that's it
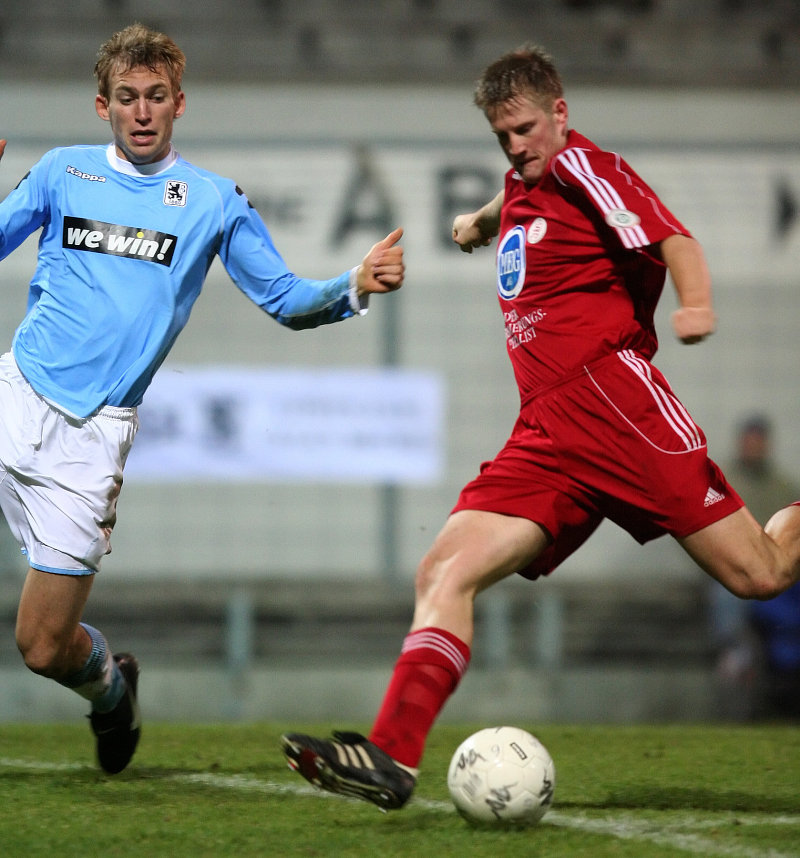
(583, 248)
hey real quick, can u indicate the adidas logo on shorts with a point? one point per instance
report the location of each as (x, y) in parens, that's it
(712, 497)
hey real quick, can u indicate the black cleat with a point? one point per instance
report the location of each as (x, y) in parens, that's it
(118, 731)
(349, 765)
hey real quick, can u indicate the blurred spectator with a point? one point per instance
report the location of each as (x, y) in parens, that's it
(757, 643)
(777, 627)
(754, 474)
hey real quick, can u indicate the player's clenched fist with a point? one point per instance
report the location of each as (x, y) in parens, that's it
(468, 234)
(693, 324)
(382, 269)
(477, 229)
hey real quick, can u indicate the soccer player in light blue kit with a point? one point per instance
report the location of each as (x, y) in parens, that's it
(128, 232)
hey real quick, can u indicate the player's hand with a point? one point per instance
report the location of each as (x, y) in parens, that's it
(693, 324)
(382, 269)
(469, 232)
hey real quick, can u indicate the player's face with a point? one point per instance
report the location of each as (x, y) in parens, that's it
(141, 108)
(530, 135)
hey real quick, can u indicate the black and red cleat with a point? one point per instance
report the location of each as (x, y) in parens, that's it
(349, 765)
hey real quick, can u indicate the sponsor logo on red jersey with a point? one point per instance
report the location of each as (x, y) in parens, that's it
(511, 263)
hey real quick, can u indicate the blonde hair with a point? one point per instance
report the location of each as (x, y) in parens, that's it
(136, 46)
(528, 71)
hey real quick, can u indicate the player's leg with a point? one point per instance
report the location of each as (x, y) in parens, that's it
(751, 562)
(73, 501)
(663, 475)
(49, 634)
(474, 550)
(56, 644)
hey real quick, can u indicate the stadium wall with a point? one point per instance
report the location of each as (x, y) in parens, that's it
(330, 170)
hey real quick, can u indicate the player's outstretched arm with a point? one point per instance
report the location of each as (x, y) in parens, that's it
(694, 320)
(477, 229)
(382, 269)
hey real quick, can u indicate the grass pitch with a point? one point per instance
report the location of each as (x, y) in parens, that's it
(224, 790)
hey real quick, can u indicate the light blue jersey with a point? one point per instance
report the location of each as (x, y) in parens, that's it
(122, 258)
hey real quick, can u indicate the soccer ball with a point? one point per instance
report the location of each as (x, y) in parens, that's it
(502, 776)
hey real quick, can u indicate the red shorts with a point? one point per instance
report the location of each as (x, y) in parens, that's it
(613, 442)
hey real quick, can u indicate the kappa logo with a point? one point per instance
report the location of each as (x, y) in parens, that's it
(175, 193)
(712, 497)
(90, 177)
(96, 236)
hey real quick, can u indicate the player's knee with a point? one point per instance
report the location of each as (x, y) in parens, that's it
(439, 580)
(429, 576)
(764, 589)
(41, 655)
(759, 586)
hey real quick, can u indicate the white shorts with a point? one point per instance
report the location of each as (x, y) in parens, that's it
(60, 476)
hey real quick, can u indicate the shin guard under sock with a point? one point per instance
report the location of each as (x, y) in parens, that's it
(428, 671)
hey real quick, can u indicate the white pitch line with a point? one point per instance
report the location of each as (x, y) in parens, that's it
(677, 834)
(36, 765)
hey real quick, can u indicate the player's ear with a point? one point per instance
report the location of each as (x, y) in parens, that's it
(560, 113)
(101, 106)
(180, 104)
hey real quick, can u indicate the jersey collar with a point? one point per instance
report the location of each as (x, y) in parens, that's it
(123, 166)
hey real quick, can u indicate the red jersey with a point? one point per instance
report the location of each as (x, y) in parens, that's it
(576, 276)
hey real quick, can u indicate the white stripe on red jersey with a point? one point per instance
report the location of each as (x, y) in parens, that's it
(603, 193)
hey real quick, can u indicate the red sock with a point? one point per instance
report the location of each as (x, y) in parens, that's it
(428, 671)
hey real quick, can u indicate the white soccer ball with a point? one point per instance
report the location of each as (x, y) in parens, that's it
(502, 776)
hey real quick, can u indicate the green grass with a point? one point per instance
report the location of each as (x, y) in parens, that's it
(224, 790)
